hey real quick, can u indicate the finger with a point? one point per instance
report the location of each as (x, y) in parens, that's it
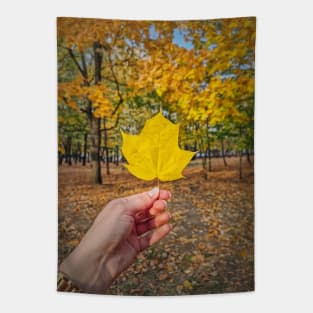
(164, 195)
(158, 207)
(141, 201)
(142, 216)
(158, 221)
(154, 236)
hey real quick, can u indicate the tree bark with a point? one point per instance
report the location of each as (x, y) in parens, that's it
(60, 158)
(85, 148)
(68, 157)
(223, 152)
(248, 157)
(107, 163)
(94, 150)
(204, 160)
(203, 157)
(79, 152)
(240, 164)
(95, 132)
(209, 146)
(98, 61)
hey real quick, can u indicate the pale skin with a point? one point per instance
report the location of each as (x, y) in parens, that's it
(124, 228)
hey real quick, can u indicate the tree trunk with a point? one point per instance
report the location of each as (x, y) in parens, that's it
(85, 149)
(209, 157)
(240, 164)
(209, 145)
(107, 160)
(95, 123)
(248, 157)
(76, 156)
(203, 157)
(60, 158)
(240, 155)
(95, 150)
(107, 163)
(98, 61)
(204, 163)
(79, 152)
(223, 152)
(68, 157)
(66, 151)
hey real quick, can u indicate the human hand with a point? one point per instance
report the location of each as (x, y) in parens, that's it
(124, 228)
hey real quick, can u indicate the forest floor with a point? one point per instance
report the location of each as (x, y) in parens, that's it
(211, 248)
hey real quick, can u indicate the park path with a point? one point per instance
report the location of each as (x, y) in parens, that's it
(209, 250)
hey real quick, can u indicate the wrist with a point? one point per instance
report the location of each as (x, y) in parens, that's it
(87, 271)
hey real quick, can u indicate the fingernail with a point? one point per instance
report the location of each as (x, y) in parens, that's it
(165, 203)
(170, 194)
(153, 192)
(171, 226)
(169, 214)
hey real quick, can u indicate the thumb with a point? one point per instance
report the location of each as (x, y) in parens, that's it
(141, 201)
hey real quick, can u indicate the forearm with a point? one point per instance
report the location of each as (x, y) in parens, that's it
(86, 273)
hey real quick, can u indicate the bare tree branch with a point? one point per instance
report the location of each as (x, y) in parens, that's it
(114, 126)
(73, 57)
(121, 99)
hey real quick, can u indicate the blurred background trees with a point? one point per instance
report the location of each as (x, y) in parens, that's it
(115, 75)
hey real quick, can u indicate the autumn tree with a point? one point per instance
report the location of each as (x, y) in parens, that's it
(72, 135)
(210, 81)
(102, 52)
(204, 80)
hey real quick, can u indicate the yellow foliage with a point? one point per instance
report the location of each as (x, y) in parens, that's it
(198, 83)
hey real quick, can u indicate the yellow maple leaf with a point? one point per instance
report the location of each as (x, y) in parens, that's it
(154, 153)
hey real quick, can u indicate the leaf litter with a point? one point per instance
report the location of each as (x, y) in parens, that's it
(211, 248)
